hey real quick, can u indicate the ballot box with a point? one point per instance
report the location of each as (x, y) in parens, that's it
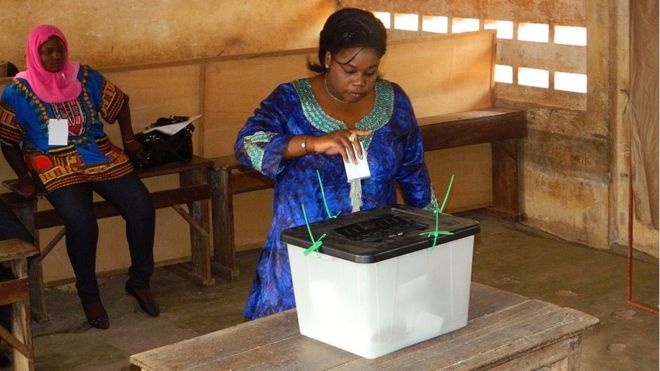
(379, 282)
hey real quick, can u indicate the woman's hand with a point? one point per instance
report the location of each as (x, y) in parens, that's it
(134, 150)
(343, 142)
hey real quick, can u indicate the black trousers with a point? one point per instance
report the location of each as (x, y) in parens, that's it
(74, 205)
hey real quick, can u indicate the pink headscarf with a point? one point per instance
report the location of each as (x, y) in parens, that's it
(50, 87)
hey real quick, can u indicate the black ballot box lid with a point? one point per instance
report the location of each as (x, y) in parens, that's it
(374, 235)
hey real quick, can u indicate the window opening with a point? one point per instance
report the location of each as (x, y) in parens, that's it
(459, 25)
(504, 73)
(575, 82)
(437, 24)
(536, 32)
(384, 17)
(406, 22)
(533, 77)
(504, 28)
(570, 35)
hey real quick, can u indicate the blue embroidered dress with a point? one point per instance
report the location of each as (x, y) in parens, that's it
(395, 155)
(89, 155)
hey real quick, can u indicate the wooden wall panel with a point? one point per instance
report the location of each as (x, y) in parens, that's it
(235, 87)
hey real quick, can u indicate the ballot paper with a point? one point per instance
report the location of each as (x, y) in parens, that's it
(359, 170)
(172, 128)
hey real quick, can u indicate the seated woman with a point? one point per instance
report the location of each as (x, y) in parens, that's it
(52, 135)
(314, 125)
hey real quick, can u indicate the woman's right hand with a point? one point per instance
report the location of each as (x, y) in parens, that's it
(26, 187)
(343, 142)
(135, 151)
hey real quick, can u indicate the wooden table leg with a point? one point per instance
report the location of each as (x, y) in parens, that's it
(224, 260)
(25, 213)
(200, 244)
(20, 318)
(506, 197)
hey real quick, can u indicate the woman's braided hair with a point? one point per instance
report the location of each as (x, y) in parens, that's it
(349, 28)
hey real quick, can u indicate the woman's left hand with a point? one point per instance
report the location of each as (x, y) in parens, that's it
(134, 150)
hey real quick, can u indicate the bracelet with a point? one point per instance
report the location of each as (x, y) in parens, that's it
(303, 145)
(130, 140)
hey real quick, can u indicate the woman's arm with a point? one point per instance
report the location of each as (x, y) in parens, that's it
(335, 143)
(14, 157)
(131, 146)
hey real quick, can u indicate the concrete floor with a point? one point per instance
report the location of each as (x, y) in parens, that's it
(508, 256)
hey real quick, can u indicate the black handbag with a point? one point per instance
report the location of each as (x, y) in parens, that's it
(161, 148)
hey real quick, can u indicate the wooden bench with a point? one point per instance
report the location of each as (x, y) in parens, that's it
(499, 126)
(505, 331)
(193, 190)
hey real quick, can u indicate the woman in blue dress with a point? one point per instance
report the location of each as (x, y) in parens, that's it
(308, 128)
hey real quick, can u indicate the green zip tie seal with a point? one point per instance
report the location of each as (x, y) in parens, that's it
(316, 244)
(437, 211)
(325, 203)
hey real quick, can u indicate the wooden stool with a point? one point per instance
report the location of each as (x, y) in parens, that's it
(17, 293)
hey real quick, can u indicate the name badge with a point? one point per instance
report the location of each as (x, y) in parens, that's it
(58, 132)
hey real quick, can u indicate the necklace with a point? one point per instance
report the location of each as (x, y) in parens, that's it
(327, 90)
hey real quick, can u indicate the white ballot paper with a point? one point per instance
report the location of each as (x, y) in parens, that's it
(173, 128)
(359, 170)
(58, 132)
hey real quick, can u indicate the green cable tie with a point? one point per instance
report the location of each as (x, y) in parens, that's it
(325, 203)
(316, 244)
(437, 211)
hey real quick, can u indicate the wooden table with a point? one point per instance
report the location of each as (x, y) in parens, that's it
(193, 190)
(505, 331)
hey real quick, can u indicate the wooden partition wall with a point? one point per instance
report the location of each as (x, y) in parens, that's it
(441, 74)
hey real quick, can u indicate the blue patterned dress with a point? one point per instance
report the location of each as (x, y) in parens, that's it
(395, 155)
(89, 155)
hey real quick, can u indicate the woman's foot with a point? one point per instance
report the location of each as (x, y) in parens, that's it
(96, 315)
(145, 298)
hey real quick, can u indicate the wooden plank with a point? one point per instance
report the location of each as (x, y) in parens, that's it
(248, 181)
(103, 209)
(471, 127)
(506, 334)
(506, 179)
(16, 249)
(21, 324)
(558, 356)
(14, 290)
(515, 327)
(200, 243)
(224, 251)
(175, 167)
(207, 348)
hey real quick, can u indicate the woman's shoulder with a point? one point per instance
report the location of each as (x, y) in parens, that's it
(16, 86)
(396, 88)
(285, 91)
(86, 70)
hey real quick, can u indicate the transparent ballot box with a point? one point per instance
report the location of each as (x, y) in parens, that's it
(378, 283)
